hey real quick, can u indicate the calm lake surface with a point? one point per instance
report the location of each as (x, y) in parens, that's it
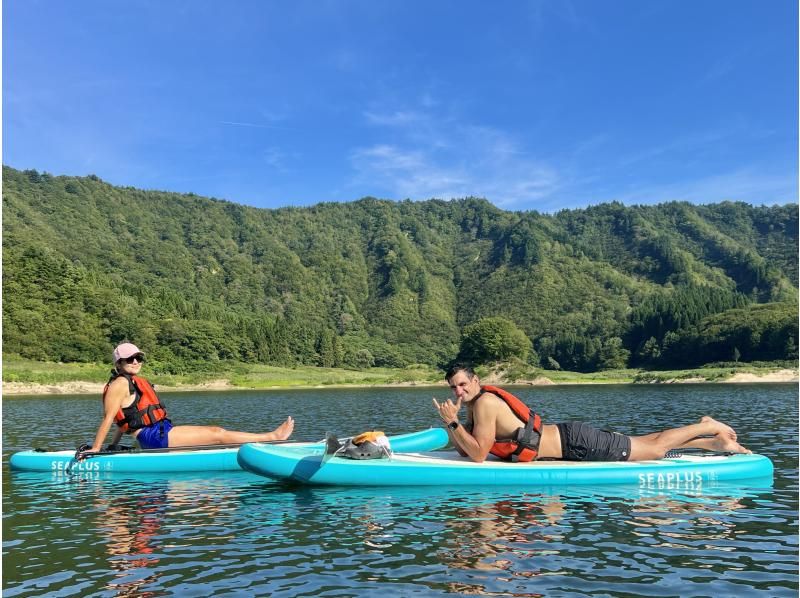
(242, 535)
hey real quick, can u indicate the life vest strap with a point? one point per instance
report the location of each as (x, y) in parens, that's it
(146, 409)
(524, 444)
(527, 438)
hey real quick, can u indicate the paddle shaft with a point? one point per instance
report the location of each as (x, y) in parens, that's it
(198, 447)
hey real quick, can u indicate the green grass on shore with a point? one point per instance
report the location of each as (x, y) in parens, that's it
(264, 376)
(254, 376)
(18, 369)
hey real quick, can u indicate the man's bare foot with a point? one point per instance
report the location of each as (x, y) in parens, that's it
(719, 427)
(724, 444)
(283, 431)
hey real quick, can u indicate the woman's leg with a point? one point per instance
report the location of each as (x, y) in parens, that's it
(200, 435)
(722, 438)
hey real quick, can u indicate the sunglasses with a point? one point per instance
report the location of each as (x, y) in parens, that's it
(138, 357)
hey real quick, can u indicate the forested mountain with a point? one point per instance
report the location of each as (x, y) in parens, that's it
(196, 280)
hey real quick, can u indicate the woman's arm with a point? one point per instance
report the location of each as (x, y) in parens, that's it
(112, 403)
(117, 436)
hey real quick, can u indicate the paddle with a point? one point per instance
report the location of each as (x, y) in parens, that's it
(308, 466)
(197, 447)
(81, 454)
(332, 446)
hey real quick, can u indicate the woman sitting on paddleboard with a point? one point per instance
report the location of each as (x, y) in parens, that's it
(131, 403)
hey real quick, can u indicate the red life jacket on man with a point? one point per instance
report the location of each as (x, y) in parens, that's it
(145, 410)
(525, 444)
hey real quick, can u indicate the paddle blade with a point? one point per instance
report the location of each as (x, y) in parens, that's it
(332, 444)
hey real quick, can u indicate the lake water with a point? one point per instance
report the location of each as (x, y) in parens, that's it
(242, 535)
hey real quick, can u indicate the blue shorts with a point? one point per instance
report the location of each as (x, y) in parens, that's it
(155, 436)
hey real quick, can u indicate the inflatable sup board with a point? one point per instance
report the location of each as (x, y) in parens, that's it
(197, 459)
(310, 465)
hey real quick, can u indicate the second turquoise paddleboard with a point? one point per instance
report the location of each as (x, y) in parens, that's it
(309, 465)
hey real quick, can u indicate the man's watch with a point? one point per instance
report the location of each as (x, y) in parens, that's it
(452, 425)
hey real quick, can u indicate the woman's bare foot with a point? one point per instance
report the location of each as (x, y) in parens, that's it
(719, 427)
(283, 431)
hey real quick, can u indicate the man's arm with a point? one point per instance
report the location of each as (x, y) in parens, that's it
(476, 445)
(451, 435)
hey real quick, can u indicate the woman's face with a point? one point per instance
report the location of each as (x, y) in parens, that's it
(131, 365)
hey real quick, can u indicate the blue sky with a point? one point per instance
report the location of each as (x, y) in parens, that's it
(540, 104)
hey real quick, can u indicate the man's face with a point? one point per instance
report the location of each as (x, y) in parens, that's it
(464, 387)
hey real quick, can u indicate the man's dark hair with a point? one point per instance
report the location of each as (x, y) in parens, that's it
(459, 367)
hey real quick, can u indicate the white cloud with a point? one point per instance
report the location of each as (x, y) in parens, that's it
(407, 173)
(395, 119)
(424, 153)
(750, 185)
(250, 125)
(277, 158)
(439, 157)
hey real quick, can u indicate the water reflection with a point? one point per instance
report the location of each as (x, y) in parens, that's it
(484, 532)
(701, 525)
(516, 540)
(503, 536)
(141, 527)
(130, 524)
(239, 534)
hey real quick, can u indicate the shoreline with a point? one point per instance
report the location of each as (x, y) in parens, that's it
(78, 387)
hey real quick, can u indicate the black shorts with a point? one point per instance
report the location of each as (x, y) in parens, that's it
(582, 442)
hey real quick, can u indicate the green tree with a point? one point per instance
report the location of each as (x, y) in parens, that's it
(326, 349)
(363, 359)
(399, 280)
(494, 339)
(613, 355)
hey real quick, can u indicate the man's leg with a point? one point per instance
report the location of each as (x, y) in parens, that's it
(722, 438)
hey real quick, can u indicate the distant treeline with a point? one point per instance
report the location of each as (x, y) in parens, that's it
(196, 281)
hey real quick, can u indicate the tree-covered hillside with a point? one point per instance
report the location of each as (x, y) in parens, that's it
(196, 280)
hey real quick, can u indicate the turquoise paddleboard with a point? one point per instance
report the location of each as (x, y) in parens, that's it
(309, 465)
(187, 460)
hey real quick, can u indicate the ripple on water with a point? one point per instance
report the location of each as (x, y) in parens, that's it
(243, 535)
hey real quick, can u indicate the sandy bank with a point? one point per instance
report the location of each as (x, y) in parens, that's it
(80, 388)
(779, 376)
(26, 388)
(75, 388)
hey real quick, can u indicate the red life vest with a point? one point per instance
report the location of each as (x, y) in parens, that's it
(145, 410)
(525, 444)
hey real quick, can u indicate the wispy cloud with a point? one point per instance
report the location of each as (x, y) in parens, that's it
(432, 156)
(253, 125)
(408, 173)
(680, 147)
(278, 159)
(751, 185)
(394, 119)
(426, 155)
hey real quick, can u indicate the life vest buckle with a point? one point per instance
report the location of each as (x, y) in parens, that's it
(527, 437)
